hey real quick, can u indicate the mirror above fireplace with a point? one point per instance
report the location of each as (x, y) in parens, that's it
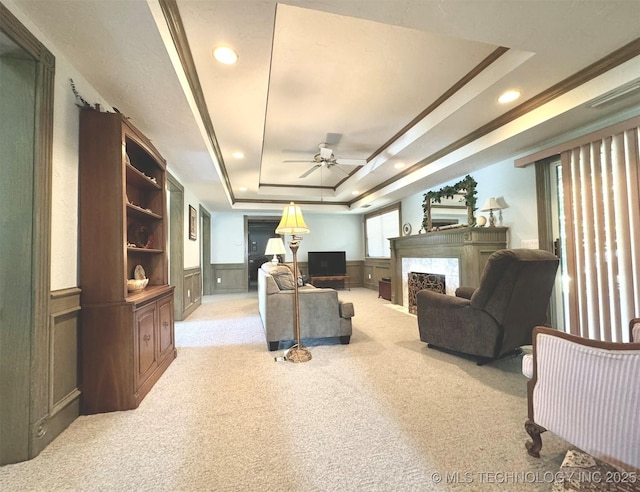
(459, 195)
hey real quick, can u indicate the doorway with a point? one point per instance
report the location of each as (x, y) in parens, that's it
(258, 231)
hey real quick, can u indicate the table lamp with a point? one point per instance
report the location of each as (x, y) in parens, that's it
(275, 247)
(489, 206)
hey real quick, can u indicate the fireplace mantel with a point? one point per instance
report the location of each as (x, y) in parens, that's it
(471, 246)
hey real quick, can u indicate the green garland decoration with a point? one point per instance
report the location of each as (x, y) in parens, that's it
(466, 187)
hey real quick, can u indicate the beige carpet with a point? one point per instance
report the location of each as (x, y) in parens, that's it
(384, 413)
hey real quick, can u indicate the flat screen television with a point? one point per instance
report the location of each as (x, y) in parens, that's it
(326, 263)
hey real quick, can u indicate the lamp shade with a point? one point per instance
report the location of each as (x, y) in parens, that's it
(501, 201)
(491, 204)
(275, 246)
(292, 221)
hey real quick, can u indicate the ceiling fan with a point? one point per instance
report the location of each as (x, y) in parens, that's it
(326, 158)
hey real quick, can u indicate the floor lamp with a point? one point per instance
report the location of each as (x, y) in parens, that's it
(292, 223)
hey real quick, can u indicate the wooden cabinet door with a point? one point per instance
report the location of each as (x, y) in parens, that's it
(145, 351)
(165, 331)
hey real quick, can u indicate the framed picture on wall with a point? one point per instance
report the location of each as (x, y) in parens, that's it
(193, 222)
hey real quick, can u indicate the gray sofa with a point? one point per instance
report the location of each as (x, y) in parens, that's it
(322, 314)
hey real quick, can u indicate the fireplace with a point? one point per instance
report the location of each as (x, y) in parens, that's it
(458, 254)
(418, 281)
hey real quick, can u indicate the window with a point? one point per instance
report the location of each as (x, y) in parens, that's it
(596, 221)
(379, 227)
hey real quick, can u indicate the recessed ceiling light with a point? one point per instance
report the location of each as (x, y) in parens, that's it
(509, 96)
(243, 188)
(238, 155)
(225, 55)
(399, 165)
(355, 192)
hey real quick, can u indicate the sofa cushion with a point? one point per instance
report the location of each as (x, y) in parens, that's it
(283, 277)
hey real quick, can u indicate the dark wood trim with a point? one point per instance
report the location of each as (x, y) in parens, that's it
(543, 203)
(181, 43)
(193, 283)
(41, 253)
(311, 187)
(176, 242)
(286, 202)
(205, 244)
(605, 64)
(472, 74)
(585, 139)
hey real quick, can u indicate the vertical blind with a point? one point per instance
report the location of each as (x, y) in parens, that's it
(601, 201)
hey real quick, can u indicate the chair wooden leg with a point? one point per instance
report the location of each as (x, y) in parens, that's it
(535, 445)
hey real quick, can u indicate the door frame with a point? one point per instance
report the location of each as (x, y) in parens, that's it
(176, 243)
(37, 352)
(205, 253)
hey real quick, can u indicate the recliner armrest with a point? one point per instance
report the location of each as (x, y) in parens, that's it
(465, 292)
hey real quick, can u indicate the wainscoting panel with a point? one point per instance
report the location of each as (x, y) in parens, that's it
(64, 367)
(192, 290)
(355, 269)
(374, 270)
(229, 278)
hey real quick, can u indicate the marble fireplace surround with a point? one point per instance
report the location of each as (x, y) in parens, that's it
(460, 254)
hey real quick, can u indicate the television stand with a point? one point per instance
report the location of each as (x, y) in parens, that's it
(329, 278)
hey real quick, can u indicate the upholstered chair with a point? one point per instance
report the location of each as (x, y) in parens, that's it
(497, 318)
(587, 392)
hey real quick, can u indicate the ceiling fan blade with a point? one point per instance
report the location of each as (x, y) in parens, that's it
(310, 170)
(306, 162)
(369, 167)
(334, 166)
(332, 139)
(352, 162)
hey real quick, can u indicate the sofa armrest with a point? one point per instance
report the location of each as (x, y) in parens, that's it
(346, 309)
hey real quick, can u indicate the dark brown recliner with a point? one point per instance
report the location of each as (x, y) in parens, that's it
(498, 317)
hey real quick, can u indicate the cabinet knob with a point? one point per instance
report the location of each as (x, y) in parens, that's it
(165, 323)
(146, 338)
